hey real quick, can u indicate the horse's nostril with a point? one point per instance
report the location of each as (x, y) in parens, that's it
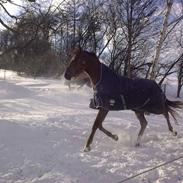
(67, 75)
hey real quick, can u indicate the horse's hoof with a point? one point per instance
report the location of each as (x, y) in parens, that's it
(87, 149)
(115, 137)
(137, 144)
(174, 133)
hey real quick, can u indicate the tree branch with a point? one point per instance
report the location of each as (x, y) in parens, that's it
(7, 27)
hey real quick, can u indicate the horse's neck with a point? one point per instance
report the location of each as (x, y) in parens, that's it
(94, 72)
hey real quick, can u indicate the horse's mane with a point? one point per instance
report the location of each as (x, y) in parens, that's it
(92, 54)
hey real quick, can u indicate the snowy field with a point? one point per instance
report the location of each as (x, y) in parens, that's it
(44, 126)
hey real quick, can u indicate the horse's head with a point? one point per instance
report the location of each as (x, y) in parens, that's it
(77, 64)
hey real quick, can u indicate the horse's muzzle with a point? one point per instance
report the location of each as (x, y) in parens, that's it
(67, 75)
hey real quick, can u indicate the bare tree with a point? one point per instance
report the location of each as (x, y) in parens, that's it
(133, 23)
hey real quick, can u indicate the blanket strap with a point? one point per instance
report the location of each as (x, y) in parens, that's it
(123, 101)
(140, 107)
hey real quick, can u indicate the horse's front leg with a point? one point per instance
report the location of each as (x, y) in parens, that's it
(97, 123)
(108, 133)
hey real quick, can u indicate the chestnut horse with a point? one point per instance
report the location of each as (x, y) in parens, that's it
(156, 102)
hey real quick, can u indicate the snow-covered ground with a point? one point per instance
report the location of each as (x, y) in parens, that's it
(44, 126)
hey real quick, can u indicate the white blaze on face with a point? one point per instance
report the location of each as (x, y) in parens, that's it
(73, 58)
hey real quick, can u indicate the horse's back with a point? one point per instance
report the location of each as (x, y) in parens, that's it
(115, 92)
(143, 94)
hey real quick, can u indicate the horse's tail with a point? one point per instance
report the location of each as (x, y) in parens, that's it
(172, 105)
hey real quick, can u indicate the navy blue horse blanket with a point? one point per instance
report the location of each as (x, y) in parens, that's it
(114, 92)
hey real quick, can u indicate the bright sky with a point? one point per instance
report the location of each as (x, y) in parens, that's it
(13, 10)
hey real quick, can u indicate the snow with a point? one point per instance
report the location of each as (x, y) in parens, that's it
(44, 126)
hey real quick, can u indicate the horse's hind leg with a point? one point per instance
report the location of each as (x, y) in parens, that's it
(143, 123)
(169, 124)
(98, 121)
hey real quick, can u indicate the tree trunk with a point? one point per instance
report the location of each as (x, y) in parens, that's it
(180, 78)
(127, 68)
(155, 61)
(178, 90)
(74, 21)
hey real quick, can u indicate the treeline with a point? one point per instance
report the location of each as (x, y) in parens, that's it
(136, 38)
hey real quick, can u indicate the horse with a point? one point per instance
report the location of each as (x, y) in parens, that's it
(114, 92)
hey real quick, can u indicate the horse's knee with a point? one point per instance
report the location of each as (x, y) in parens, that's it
(100, 127)
(170, 128)
(95, 126)
(143, 123)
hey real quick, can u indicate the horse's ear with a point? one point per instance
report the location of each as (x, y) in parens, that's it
(77, 49)
(74, 50)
